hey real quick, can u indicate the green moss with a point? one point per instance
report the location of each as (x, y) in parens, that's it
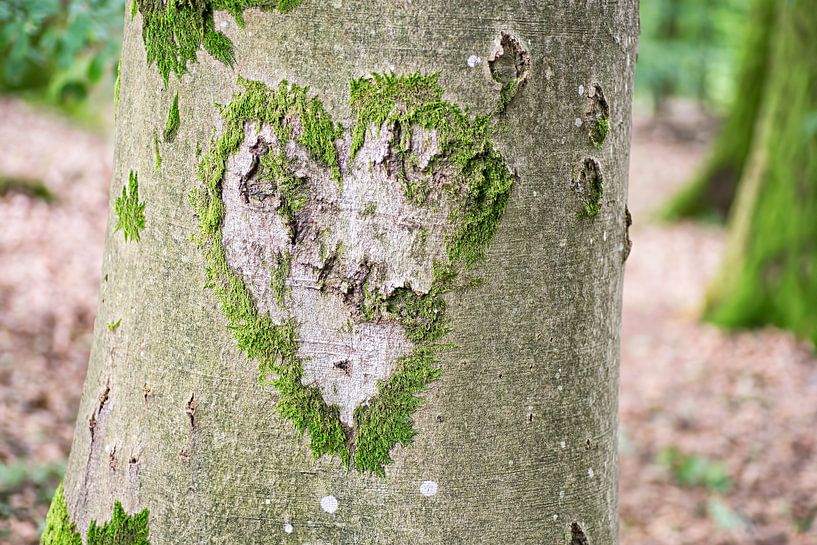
(174, 30)
(117, 84)
(373, 305)
(480, 181)
(122, 529)
(293, 190)
(589, 187)
(173, 121)
(599, 131)
(59, 528)
(279, 276)
(130, 213)
(369, 210)
(113, 326)
(157, 152)
(506, 94)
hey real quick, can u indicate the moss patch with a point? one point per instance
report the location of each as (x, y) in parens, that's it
(117, 84)
(174, 30)
(480, 182)
(173, 121)
(588, 184)
(130, 213)
(157, 152)
(122, 529)
(599, 131)
(59, 528)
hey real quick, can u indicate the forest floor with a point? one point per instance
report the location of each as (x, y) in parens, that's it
(717, 434)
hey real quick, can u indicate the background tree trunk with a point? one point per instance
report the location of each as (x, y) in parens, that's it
(711, 193)
(769, 274)
(515, 441)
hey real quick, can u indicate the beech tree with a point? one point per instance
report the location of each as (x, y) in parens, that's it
(362, 281)
(711, 193)
(769, 274)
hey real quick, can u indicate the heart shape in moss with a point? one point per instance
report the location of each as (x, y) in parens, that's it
(330, 247)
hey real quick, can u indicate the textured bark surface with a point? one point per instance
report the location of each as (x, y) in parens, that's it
(516, 441)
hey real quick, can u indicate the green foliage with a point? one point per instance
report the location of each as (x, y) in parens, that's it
(113, 326)
(173, 121)
(480, 177)
(130, 213)
(20, 476)
(709, 196)
(31, 187)
(122, 529)
(174, 30)
(723, 515)
(58, 47)
(688, 48)
(690, 470)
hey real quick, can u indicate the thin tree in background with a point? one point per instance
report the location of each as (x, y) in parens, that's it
(769, 275)
(712, 192)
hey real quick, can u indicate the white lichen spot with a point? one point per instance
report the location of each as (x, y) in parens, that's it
(560, 387)
(428, 488)
(548, 73)
(267, 501)
(474, 60)
(562, 444)
(581, 90)
(590, 472)
(329, 504)
(288, 528)
(578, 122)
(337, 4)
(555, 517)
(561, 494)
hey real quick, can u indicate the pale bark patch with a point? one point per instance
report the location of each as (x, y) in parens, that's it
(353, 244)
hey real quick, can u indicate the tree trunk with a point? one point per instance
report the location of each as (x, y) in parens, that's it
(383, 309)
(711, 193)
(769, 274)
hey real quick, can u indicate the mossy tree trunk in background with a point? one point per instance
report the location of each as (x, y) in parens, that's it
(366, 288)
(770, 270)
(711, 193)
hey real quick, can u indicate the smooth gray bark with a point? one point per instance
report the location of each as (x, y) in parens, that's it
(519, 433)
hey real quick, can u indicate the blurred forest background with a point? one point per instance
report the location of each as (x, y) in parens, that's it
(718, 367)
